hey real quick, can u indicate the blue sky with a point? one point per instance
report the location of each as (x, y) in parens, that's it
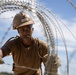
(61, 7)
(67, 14)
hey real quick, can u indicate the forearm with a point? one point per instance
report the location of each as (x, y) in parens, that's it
(51, 67)
(1, 55)
(51, 70)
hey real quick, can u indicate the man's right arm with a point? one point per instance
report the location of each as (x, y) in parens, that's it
(1, 55)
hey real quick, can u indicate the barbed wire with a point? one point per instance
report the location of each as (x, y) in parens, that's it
(63, 38)
(10, 17)
(5, 34)
(71, 3)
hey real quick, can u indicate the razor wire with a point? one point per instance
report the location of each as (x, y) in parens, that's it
(46, 31)
(58, 30)
(27, 5)
(8, 29)
(60, 34)
(71, 3)
(62, 37)
(50, 45)
(21, 5)
(15, 8)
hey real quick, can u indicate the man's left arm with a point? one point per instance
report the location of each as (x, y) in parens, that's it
(52, 64)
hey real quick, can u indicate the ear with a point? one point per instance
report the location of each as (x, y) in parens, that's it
(32, 30)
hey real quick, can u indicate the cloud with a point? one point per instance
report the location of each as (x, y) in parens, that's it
(6, 68)
(65, 25)
(0, 28)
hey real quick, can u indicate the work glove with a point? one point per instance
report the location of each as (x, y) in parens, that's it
(57, 60)
(52, 64)
(1, 61)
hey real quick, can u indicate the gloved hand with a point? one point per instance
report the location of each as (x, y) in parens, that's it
(57, 60)
(1, 61)
(52, 64)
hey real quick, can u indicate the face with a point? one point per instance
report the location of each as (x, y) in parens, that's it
(25, 32)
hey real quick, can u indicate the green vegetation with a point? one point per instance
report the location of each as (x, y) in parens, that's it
(5, 73)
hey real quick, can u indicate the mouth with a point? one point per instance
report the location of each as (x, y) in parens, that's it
(26, 36)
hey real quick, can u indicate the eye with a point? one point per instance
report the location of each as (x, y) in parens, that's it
(29, 29)
(21, 30)
(25, 29)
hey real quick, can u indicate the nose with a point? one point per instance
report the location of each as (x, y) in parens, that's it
(26, 32)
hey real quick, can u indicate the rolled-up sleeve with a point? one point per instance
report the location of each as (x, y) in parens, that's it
(44, 53)
(7, 48)
(43, 48)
